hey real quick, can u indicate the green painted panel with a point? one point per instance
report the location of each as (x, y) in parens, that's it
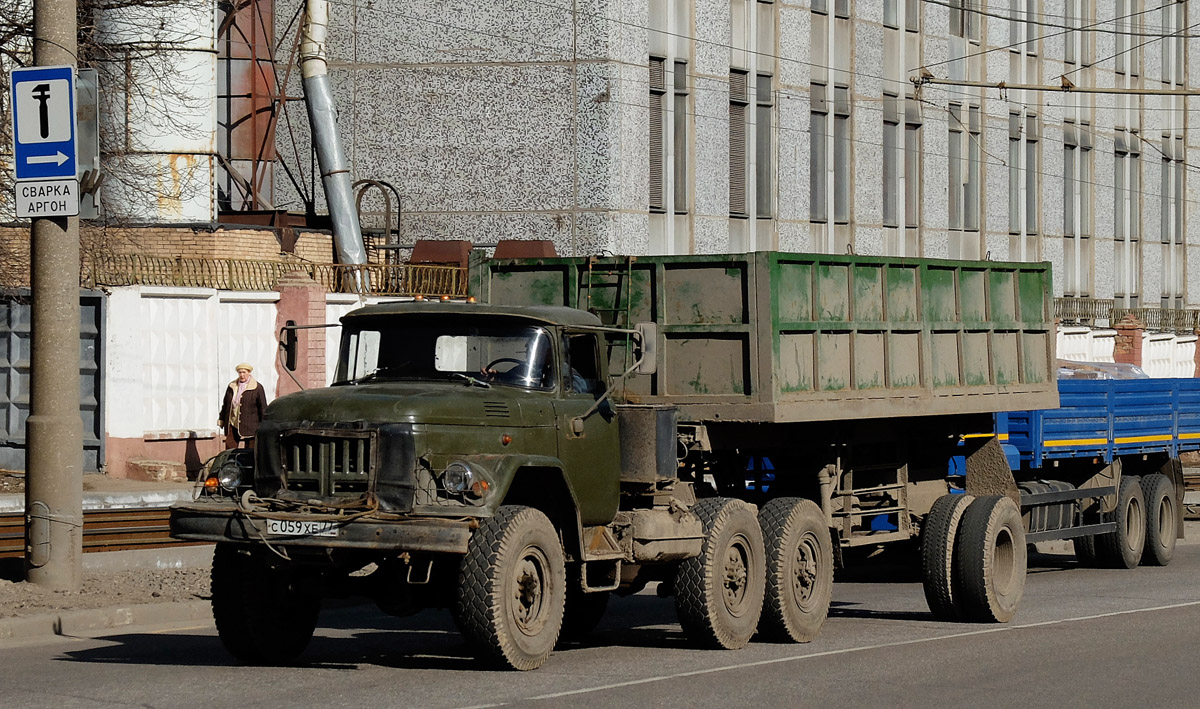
(904, 356)
(795, 368)
(902, 294)
(937, 292)
(868, 293)
(833, 357)
(833, 292)
(711, 366)
(972, 296)
(1005, 360)
(945, 359)
(530, 287)
(1004, 296)
(977, 369)
(1034, 289)
(1033, 349)
(793, 291)
(705, 294)
(868, 360)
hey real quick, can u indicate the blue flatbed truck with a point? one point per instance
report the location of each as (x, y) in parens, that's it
(1103, 469)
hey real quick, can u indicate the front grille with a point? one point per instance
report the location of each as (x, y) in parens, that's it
(335, 464)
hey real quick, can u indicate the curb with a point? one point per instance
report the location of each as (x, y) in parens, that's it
(72, 623)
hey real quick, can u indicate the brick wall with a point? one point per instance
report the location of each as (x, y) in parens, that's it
(1128, 348)
(190, 242)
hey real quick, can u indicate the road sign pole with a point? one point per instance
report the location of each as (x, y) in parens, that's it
(54, 431)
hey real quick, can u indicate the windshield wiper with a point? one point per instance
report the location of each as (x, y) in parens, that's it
(471, 380)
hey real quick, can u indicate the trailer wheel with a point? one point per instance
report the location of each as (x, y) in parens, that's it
(799, 570)
(938, 533)
(1159, 493)
(719, 594)
(990, 560)
(511, 589)
(1122, 549)
(263, 615)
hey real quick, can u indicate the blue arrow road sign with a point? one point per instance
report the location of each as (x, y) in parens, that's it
(43, 99)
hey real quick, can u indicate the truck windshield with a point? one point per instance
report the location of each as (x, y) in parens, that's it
(517, 355)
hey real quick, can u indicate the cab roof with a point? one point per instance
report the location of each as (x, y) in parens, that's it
(549, 314)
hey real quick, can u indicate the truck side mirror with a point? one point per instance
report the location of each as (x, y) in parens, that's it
(288, 341)
(648, 334)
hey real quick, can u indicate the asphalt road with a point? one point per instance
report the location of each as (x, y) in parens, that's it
(1083, 637)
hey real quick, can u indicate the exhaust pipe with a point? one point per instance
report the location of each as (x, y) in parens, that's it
(331, 157)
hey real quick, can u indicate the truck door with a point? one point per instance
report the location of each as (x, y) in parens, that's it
(592, 459)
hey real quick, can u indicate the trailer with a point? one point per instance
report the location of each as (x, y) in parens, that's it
(1103, 468)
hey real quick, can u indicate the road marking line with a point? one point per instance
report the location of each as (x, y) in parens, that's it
(830, 653)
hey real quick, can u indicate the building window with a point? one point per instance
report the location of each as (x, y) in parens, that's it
(1024, 134)
(1077, 208)
(658, 146)
(818, 131)
(764, 168)
(1023, 27)
(739, 101)
(966, 180)
(1172, 222)
(679, 136)
(1127, 219)
(965, 19)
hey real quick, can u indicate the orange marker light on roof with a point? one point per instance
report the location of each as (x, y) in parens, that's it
(418, 297)
(470, 299)
(445, 298)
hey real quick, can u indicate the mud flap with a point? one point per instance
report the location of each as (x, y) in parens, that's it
(988, 472)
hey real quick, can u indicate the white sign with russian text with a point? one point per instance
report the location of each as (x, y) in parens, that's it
(47, 198)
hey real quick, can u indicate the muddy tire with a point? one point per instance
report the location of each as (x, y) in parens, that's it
(582, 613)
(1122, 549)
(511, 589)
(799, 570)
(263, 614)
(938, 532)
(1161, 517)
(990, 560)
(719, 594)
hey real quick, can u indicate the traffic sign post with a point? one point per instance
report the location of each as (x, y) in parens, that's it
(44, 131)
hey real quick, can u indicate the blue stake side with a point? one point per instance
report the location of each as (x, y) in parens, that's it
(1105, 419)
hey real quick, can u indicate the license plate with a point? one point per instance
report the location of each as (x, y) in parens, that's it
(298, 528)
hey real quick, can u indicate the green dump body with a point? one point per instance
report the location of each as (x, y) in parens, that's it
(787, 337)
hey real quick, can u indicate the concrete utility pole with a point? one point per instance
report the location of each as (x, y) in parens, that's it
(54, 431)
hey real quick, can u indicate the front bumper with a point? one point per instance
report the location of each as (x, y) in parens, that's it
(224, 521)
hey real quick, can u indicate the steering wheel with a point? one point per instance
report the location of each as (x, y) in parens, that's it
(512, 375)
(511, 360)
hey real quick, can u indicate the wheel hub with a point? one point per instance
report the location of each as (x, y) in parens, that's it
(804, 566)
(736, 577)
(529, 594)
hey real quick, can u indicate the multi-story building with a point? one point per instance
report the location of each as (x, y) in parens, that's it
(696, 126)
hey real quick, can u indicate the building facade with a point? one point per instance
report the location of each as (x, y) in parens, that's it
(699, 126)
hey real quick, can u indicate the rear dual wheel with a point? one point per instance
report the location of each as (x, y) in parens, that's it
(973, 558)
(799, 570)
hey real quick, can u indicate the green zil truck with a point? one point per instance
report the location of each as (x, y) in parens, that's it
(727, 427)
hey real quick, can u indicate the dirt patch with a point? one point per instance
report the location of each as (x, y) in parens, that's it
(11, 482)
(104, 589)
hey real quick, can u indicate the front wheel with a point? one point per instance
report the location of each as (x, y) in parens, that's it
(264, 615)
(799, 570)
(512, 588)
(719, 594)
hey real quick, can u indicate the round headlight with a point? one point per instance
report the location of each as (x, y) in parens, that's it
(458, 478)
(229, 476)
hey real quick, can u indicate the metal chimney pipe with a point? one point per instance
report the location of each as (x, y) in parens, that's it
(331, 158)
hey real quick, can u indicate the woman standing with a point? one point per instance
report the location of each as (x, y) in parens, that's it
(242, 408)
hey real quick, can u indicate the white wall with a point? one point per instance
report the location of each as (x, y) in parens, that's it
(172, 350)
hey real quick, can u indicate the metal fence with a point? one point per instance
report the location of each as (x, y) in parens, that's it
(1104, 311)
(243, 274)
